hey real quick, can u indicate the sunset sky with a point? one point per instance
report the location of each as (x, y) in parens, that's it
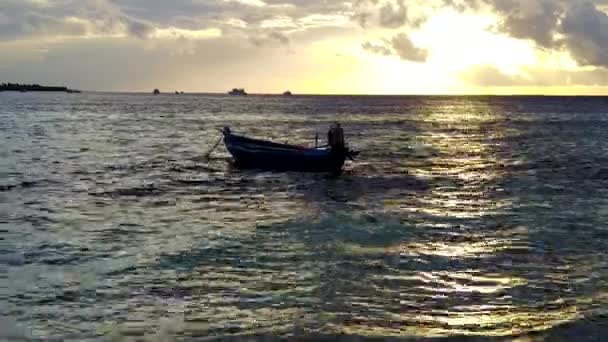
(309, 46)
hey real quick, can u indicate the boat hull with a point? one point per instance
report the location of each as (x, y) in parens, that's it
(259, 154)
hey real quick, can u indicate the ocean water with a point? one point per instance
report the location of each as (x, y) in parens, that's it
(463, 216)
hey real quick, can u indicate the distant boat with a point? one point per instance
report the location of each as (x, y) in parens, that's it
(156, 92)
(237, 91)
(251, 153)
(176, 92)
(287, 93)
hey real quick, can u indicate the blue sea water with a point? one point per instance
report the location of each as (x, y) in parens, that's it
(484, 217)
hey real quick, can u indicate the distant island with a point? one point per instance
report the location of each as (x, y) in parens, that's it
(34, 87)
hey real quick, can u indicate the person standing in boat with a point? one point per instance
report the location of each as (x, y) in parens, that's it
(335, 138)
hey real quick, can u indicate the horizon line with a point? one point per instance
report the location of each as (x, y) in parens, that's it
(340, 94)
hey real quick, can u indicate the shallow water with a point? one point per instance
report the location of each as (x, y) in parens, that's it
(463, 216)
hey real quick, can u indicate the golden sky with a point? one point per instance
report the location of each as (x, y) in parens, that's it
(309, 46)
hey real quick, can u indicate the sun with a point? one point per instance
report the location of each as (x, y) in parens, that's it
(458, 41)
(455, 43)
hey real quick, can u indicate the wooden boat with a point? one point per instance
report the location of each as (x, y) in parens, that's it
(251, 153)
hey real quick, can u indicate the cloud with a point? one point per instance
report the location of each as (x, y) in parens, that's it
(585, 28)
(323, 20)
(177, 33)
(234, 22)
(36, 23)
(256, 3)
(530, 19)
(406, 50)
(579, 27)
(400, 45)
(379, 49)
(361, 18)
(107, 16)
(490, 76)
(68, 18)
(393, 16)
(143, 18)
(270, 38)
(282, 22)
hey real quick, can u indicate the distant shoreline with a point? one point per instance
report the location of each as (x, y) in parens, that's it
(34, 87)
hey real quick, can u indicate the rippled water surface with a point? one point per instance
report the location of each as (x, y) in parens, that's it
(463, 216)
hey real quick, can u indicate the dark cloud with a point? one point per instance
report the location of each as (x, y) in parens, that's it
(108, 17)
(586, 33)
(536, 20)
(400, 45)
(406, 50)
(393, 16)
(533, 19)
(379, 49)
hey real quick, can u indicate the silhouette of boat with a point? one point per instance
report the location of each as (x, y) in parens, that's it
(237, 91)
(287, 93)
(249, 153)
(156, 92)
